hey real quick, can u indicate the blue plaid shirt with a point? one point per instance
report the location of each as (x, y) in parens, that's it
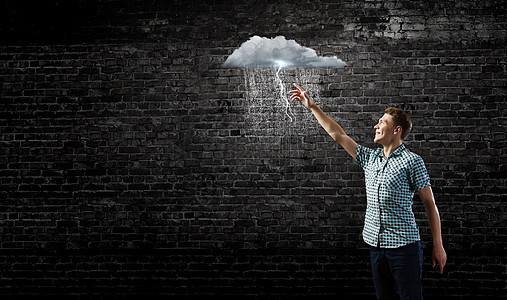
(390, 187)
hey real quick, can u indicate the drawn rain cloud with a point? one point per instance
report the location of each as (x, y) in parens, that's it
(261, 52)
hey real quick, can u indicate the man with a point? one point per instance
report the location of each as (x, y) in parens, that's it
(392, 174)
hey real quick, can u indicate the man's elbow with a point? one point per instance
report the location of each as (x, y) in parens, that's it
(337, 137)
(426, 195)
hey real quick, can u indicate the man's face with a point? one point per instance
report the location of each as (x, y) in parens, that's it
(384, 130)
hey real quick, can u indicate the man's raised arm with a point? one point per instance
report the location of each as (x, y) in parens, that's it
(331, 127)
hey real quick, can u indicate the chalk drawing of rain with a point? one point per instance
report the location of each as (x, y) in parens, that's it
(271, 66)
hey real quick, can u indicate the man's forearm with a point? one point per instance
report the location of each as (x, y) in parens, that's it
(434, 220)
(438, 255)
(335, 131)
(331, 127)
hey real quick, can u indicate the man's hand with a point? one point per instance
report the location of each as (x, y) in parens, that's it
(302, 96)
(439, 257)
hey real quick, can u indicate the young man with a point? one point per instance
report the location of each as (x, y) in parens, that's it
(393, 175)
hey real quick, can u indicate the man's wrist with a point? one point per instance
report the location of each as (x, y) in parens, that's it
(314, 107)
(437, 244)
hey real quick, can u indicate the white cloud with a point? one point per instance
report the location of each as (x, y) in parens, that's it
(261, 52)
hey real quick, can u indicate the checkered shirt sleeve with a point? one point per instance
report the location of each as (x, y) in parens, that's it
(363, 155)
(418, 176)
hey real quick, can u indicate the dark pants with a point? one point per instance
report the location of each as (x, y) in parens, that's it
(397, 273)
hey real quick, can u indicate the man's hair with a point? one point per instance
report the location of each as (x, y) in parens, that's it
(400, 118)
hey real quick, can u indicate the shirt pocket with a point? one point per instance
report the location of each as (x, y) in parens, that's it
(372, 174)
(396, 180)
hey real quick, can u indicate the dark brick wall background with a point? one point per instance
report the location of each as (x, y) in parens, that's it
(129, 164)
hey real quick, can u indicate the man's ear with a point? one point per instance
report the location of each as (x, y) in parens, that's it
(398, 129)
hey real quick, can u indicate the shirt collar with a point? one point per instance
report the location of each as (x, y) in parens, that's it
(398, 151)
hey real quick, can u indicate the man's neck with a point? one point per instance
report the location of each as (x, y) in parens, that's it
(389, 149)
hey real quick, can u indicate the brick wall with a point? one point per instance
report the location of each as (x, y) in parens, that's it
(132, 163)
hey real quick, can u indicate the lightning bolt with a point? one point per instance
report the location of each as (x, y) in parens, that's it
(283, 94)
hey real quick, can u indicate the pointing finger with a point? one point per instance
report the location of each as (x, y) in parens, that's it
(299, 88)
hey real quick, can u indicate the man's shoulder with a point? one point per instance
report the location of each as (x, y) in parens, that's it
(365, 156)
(369, 150)
(411, 156)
